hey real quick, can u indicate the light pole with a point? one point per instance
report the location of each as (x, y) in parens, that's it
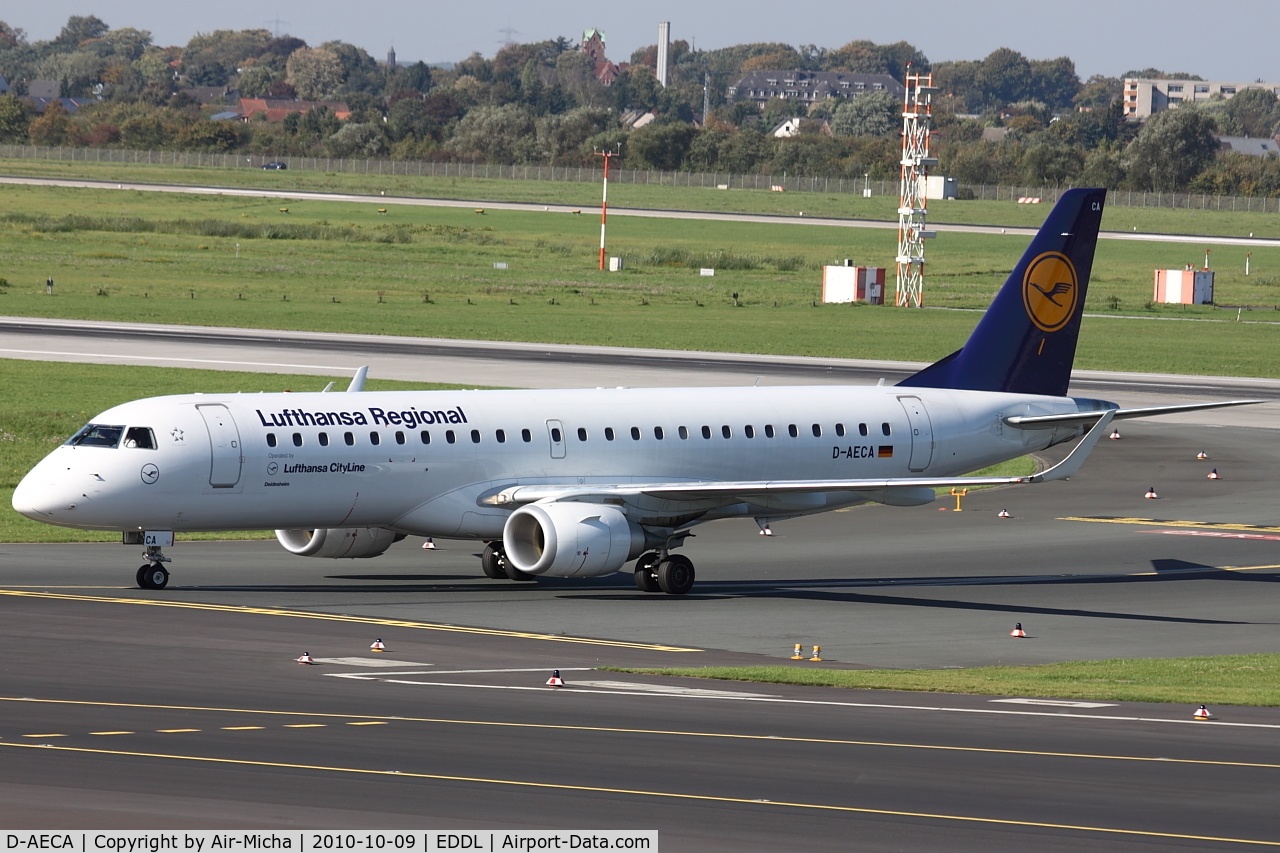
(604, 200)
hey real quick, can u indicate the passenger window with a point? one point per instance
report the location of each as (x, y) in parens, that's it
(635, 433)
(526, 436)
(792, 431)
(375, 439)
(399, 437)
(348, 438)
(817, 430)
(884, 428)
(297, 439)
(140, 437)
(706, 432)
(555, 435)
(657, 433)
(449, 436)
(582, 434)
(500, 435)
(324, 439)
(862, 429)
(608, 433)
(749, 431)
(424, 435)
(684, 432)
(726, 432)
(768, 430)
(271, 439)
(840, 430)
(475, 436)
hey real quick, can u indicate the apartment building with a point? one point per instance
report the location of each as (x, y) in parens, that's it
(1144, 97)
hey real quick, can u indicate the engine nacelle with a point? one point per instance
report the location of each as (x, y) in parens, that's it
(338, 542)
(571, 540)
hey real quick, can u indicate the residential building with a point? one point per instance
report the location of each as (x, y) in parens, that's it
(275, 110)
(71, 105)
(4, 85)
(810, 86)
(1250, 146)
(1144, 97)
(206, 95)
(44, 88)
(797, 126)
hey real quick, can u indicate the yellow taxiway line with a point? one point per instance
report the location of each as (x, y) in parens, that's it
(334, 617)
(1156, 522)
(376, 720)
(636, 792)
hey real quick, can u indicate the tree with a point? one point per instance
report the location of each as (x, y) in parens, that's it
(210, 136)
(314, 72)
(659, 146)
(12, 36)
(418, 77)
(356, 139)
(143, 132)
(255, 81)
(504, 134)
(1003, 76)
(128, 43)
(14, 119)
(79, 29)
(78, 71)
(559, 135)
(1173, 147)
(55, 127)
(1054, 81)
(871, 114)
(1098, 91)
(1253, 112)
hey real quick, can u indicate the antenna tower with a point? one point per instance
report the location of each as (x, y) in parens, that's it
(916, 114)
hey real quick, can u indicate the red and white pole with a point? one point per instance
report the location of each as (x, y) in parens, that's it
(604, 202)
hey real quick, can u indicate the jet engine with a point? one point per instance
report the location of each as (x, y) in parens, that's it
(570, 539)
(338, 542)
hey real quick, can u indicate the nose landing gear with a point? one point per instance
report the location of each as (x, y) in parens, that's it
(153, 575)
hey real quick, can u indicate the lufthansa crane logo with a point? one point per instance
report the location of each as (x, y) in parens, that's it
(1050, 291)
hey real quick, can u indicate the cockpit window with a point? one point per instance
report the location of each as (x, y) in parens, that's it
(140, 437)
(97, 435)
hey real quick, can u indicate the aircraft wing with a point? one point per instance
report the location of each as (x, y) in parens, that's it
(1051, 421)
(746, 490)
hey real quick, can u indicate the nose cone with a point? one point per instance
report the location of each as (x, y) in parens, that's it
(36, 495)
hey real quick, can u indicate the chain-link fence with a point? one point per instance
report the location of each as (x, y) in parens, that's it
(574, 174)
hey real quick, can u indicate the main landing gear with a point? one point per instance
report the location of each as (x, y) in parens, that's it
(658, 571)
(496, 565)
(153, 575)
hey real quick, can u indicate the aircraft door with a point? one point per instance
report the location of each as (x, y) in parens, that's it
(921, 432)
(555, 432)
(224, 446)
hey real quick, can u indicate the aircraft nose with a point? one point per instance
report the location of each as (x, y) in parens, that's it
(36, 497)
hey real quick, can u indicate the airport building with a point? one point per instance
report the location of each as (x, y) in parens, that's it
(1144, 97)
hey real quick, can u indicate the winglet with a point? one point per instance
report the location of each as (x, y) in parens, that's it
(357, 381)
(1076, 457)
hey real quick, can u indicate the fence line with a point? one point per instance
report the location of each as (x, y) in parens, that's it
(576, 174)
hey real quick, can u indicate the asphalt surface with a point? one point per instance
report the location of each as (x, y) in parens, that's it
(801, 219)
(184, 708)
(528, 365)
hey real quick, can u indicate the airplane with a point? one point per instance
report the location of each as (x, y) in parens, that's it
(579, 483)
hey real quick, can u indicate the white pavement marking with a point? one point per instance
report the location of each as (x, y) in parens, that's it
(764, 219)
(382, 676)
(373, 662)
(1058, 702)
(636, 690)
(669, 689)
(99, 355)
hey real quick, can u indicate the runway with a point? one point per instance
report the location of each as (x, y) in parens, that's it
(299, 195)
(528, 365)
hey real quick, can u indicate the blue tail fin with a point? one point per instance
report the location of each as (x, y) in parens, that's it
(1026, 342)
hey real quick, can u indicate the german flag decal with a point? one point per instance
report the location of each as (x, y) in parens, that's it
(886, 450)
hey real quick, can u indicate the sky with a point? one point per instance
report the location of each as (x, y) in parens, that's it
(1235, 42)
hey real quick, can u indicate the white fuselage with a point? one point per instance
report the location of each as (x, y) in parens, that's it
(422, 462)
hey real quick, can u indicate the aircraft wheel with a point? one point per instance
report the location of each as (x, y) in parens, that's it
(515, 574)
(646, 573)
(153, 577)
(675, 575)
(493, 561)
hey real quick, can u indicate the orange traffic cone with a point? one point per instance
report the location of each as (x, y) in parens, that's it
(1017, 631)
(1202, 713)
(1004, 513)
(429, 545)
(1213, 475)
(1202, 455)
(1115, 435)
(555, 680)
(305, 659)
(1151, 493)
(377, 646)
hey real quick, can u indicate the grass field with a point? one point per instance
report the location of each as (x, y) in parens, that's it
(843, 205)
(430, 271)
(44, 403)
(1223, 680)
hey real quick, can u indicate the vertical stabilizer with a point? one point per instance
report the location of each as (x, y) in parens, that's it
(1026, 342)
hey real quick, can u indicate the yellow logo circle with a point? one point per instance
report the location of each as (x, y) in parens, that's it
(1050, 290)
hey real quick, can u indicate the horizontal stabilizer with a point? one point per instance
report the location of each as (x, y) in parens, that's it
(1052, 421)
